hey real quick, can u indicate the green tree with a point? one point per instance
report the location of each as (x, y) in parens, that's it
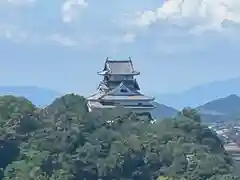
(66, 142)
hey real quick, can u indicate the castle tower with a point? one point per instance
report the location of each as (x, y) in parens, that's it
(120, 88)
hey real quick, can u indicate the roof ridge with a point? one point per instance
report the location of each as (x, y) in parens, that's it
(119, 67)
(118, 61)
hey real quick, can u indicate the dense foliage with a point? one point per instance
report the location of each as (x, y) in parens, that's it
(65, 142)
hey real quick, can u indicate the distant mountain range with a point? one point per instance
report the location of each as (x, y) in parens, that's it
(162, 111)
(227, 107)
(43, 97)
(39, 96)
(201, 94)
(222, 106)
(222, 109)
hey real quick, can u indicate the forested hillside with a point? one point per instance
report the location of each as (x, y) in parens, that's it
(65, 142)
(223, 109)
(39, 96)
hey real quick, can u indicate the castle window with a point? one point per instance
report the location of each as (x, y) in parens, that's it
(105, 103)
(123, 90)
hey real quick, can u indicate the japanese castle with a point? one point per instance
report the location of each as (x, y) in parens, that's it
(119, 88)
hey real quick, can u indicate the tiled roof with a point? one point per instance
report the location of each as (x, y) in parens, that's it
(97, 95)
(131, 84)
(136, 97)
(133, 90)
(120, 67)
(96, 104)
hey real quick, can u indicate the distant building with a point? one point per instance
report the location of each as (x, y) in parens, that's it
(119, 88)
(234, 150)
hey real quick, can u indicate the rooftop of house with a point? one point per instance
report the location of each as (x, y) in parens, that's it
(232, 147)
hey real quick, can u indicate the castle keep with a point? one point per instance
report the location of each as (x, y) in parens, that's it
(119, 87)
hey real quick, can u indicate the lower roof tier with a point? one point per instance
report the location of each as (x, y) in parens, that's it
(132, 84)
(137, 97)
(96, 104)
(128, 98)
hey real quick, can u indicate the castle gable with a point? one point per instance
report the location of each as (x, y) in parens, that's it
(122, 90)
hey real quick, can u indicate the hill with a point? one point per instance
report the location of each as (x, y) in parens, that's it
(223, 106)
(201, 94)
(65, 141)
(43, 97)
(39, 96)
(227, 108)
(162, 111)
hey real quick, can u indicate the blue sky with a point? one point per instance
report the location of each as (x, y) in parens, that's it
(61, 44)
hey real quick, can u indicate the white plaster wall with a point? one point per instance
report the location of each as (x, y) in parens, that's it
(133, 102)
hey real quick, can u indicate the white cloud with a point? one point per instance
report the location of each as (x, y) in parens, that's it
(129, 37)
(145, 18)
(210, 14)
(20, 2)
(13, 33)
(17, 35)
(71, 9)
(63, 40)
